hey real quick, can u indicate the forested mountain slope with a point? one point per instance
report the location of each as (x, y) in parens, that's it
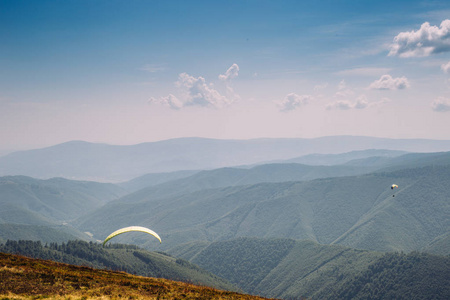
(55, 199)
(357, 211)
(308, 169)
(226, 177)
(289, 269)
(343, 158)
(40, 209)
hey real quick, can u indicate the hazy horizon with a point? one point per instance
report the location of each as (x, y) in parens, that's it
(124, 73)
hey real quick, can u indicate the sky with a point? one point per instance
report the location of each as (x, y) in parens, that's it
(128, 72)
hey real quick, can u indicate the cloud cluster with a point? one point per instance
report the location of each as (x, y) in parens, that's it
(319, 87)
(387, 82)
(360, 103)
(292, 101)
(441, 104)
(446, 67)
(423, 42)
(231, 73)
(196, 92)
(170, 101)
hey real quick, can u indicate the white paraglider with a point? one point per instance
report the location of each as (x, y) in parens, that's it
(131, 228)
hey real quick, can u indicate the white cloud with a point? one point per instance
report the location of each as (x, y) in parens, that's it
(387, 82)
(361, 102)
(196, 92)
(423, 42)
(170, 101)
(292, 101)
(199, 93)
(340, 104)
(343, 91)
(231, 73)
(441, 104)
(446, 67)
(343, 95)
(320, 87)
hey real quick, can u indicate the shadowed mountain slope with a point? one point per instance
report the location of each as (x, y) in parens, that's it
(291, 269)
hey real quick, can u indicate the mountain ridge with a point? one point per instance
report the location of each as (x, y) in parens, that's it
(102, 162)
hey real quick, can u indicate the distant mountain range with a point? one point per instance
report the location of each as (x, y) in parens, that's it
(100, 162)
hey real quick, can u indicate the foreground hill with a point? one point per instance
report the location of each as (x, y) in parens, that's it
(117, 257)
(101, 162)
(356, 211)
(289, 269)
(29, 278)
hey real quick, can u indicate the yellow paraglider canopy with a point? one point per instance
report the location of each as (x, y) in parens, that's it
(394, 186)
(131, 228)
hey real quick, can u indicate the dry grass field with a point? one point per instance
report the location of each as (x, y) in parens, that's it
(26, 278)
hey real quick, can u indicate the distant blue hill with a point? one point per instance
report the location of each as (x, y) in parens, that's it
(100, 162)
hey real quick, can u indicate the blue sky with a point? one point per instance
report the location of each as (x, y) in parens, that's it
(127, 72)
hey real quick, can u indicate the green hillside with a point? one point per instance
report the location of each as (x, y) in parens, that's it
(289, 269)
(118, 257)
(25, 200)
(153, 179)
(409, 221)
(416, 160)
(44, 233)
(343, 158)
(225, 177)
(356, 211)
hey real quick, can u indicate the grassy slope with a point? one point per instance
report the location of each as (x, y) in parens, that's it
(26, 278)
(119, 258)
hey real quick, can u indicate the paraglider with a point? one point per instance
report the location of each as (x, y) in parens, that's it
(394, 186)
(131, 228)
